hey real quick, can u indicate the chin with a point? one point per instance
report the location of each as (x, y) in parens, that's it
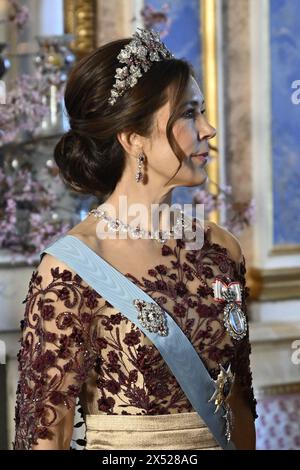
(198, 179)
(194, 178)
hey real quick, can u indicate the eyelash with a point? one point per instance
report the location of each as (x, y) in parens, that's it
(193, 111)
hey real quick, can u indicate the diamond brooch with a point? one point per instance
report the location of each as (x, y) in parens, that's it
(151, 317)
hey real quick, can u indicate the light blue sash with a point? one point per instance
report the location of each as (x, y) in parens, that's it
(175, 348)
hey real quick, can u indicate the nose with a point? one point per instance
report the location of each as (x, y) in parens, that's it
(206, 131)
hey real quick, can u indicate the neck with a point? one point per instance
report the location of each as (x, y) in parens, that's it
(138, 206)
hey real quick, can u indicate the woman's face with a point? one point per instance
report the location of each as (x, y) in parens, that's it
(191, 131)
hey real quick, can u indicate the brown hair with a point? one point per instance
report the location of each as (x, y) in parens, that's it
(90, 158)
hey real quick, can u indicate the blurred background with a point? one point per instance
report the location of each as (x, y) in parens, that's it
(246, 55)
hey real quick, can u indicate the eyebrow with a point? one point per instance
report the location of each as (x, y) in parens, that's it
(195, 103)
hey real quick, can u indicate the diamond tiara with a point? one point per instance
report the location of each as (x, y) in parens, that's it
(139, 54)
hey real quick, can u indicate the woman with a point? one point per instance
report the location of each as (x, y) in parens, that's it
(137, 129)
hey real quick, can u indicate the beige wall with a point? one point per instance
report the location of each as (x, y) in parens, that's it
(237, 104)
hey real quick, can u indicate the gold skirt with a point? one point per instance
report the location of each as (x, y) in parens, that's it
(180, 431)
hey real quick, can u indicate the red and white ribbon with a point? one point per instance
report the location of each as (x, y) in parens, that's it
(221, 287)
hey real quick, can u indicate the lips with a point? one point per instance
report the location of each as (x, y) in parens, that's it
(200, 157)
(203, 154)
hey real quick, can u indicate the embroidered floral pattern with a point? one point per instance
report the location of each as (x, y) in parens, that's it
(74, 341)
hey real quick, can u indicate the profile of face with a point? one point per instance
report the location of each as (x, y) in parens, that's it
(191, 131)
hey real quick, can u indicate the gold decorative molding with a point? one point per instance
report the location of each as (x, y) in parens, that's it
(69, 18)
(80, 21)
(274, 284)
(208, 21)
(285, 250)
(277, 389)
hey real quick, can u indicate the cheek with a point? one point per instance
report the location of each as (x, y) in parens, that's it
(185, 134)
(162, 156)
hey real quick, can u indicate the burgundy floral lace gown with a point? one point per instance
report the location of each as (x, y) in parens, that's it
(74, 343)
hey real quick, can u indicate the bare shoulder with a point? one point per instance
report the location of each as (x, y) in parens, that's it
(223, 237)
(86, 232)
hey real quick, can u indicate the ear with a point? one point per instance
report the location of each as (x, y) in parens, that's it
(131, 142)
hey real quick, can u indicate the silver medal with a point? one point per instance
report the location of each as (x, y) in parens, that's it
(234, 319)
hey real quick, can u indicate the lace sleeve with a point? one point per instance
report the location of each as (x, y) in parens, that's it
(243, 368)
(55, 355)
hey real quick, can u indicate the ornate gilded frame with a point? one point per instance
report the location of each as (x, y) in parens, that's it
(208, 9)
(80, 21)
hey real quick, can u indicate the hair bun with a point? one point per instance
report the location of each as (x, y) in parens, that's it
(83, 163)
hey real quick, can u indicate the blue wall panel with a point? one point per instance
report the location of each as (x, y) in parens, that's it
(285, 68)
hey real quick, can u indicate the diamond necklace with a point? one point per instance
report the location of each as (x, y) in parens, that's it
(136, 232)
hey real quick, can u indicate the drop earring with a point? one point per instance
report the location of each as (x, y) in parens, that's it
(139, 174)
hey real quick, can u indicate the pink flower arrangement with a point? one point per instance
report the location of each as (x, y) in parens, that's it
(18, 14)
(28, 219)
(239, 215)
(24, 108)
(157, 19)
(27, 104)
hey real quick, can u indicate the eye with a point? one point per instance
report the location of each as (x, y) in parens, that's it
(191, 113)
